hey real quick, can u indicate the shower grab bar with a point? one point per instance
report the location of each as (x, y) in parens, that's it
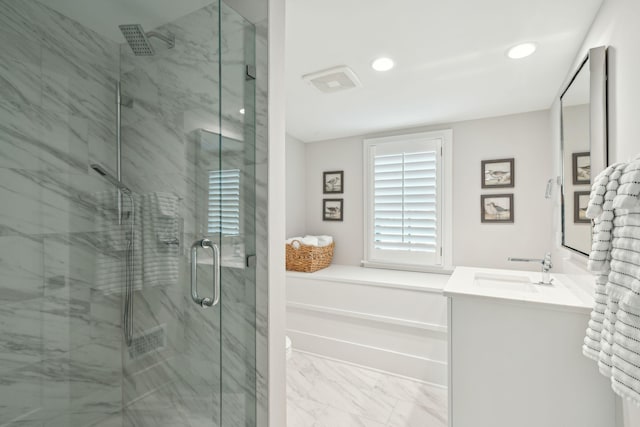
(205, 302)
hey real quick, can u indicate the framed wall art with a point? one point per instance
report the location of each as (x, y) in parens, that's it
(332, 210)
(581, 168)
(580, 204)
(333, 182)
(496, 208)
(497, 173)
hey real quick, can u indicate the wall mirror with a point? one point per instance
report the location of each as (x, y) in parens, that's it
(584, 146)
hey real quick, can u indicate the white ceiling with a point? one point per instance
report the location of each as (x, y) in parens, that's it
(450, 60)
(104, 16)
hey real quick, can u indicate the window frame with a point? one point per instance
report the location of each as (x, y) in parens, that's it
(443, 256)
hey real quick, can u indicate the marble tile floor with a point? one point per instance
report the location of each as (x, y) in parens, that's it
(158, 411)
(323, 392)
(187, 405)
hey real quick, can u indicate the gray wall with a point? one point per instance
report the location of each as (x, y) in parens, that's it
(296, 176)
(522, 136)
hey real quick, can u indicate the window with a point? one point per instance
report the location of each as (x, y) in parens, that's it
(224, 202)
(405, 201)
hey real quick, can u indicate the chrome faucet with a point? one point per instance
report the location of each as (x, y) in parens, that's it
(546, 266)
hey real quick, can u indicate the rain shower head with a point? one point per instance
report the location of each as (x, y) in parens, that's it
(138, 40)
(112, 179)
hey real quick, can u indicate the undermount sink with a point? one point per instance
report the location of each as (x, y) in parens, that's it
(506, 282)
(572, 292)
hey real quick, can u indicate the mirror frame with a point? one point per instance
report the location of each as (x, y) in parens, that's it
(598, 146)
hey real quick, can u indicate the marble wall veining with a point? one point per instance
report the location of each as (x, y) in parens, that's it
(182, 125)
(262, 229)
(62, 357)
(60, 342)
(159, 157)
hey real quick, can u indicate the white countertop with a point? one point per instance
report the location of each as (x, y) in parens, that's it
(570, 292)
(432, 282)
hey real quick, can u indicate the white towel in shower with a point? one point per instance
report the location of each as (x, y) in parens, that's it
(161, 239)
(109, 257)
(117, 243)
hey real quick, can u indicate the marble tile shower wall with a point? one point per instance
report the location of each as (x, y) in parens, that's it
(60, 361)
(168, 147)
(262, 230)
(239, 333)
(159, 155)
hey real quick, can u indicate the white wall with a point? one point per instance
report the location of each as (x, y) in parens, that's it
(616, 26)
(295, 171)
(522, 136)
(342, 154)
(526, 138)
(275, 317)
(342, 312)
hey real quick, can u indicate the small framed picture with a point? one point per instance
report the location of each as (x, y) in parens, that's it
(580, 204)
(496, 208)
(333, 182)
(581, 168)
(497, 173)
(332, 209)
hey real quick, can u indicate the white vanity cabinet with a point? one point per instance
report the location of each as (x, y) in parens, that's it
(515, 357)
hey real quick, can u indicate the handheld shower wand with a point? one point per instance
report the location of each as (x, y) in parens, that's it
(129, 256)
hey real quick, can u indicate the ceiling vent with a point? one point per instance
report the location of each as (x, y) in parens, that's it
(333, 79)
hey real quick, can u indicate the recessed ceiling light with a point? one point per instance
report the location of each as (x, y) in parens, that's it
(242, 111)
(521, 50)
(382, 64)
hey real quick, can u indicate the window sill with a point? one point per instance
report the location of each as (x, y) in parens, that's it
(410, 280)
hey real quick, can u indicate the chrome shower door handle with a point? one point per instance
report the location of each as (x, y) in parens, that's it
(216, 270)
(205, 302)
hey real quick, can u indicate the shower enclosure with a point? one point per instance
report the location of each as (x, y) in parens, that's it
(127, 214)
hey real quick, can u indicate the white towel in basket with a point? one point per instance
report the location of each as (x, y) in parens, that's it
(318, 241)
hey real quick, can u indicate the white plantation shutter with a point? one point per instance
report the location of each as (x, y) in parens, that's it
(404, 200)
(224, 202)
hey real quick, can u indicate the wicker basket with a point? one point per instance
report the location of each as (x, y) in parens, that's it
(308, 258)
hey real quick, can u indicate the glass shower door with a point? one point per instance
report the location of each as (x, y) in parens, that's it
(188, 146)
(238, 159)
(170, 125)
